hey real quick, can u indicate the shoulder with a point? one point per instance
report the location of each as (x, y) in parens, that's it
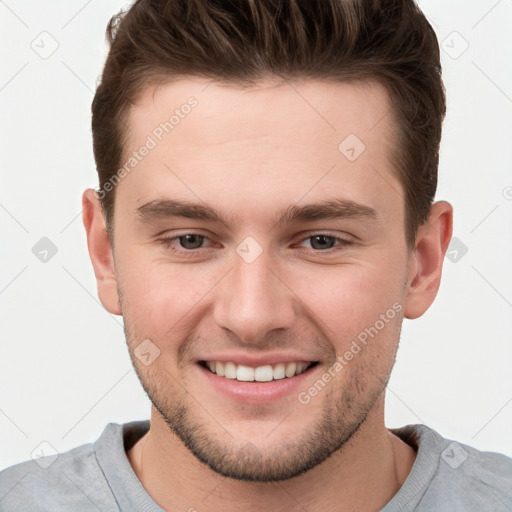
(72, 480)
(448, 475)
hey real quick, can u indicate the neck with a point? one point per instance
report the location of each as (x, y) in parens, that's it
(372, 460)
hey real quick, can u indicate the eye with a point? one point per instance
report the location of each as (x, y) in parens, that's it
(191, 241)
(187, 242)
(324, 242)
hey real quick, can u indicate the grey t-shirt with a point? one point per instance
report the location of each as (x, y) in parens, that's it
(446, 476)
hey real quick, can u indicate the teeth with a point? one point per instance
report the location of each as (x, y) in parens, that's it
(244, 373)
(264, 373)
(290, 369)
(301, 367)
(230, 370)
(279, 371)
(218, 369)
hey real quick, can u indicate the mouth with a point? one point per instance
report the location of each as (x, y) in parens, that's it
(265, 373)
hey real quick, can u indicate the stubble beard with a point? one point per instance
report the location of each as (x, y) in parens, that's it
(343, 413)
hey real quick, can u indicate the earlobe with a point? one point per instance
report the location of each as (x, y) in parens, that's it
(426, 260)
(100, 252)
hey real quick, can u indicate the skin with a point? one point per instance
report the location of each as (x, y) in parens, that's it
(250, 153)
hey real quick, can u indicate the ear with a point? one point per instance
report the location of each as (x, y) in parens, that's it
(426, 259)
(100, 251)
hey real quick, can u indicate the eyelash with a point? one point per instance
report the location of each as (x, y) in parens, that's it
(168, 243)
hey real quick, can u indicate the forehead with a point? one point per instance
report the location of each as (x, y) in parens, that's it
(269, 106)
(270, 143)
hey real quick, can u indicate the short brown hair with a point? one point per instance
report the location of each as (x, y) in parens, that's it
(244, 41)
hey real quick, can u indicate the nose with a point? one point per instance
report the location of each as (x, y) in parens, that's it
(253, 300)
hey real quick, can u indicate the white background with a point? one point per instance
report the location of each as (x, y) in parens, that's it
(64, 367)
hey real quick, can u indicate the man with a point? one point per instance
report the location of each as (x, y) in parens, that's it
(264, 223)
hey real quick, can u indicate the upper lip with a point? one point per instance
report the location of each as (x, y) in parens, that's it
(255, 361)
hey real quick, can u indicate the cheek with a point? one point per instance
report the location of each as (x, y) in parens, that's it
(160, 298)
(166, 301)
(346, 299)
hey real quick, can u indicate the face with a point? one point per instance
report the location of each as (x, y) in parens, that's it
(255, 234)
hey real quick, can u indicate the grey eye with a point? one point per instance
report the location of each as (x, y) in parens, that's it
(322, 241)
(191, 241)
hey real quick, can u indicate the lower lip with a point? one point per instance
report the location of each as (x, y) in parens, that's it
(258, 392)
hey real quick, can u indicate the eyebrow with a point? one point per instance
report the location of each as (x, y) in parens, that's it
(331, 209)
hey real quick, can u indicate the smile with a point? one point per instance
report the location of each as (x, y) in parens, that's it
(265, 373)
